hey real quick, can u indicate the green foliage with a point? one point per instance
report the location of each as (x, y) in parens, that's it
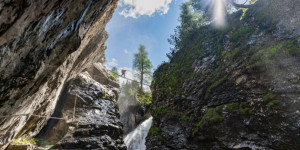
(245, 111)
(268, 96)
(215, 71)
(265, 54)
(272, 51)
(196, 129)
(24, 142)
(233, 53)
(241, 34)
(170, 77)
(160, 138)
(186, 118)
(131, 95)
(142, 64)
(273, 103)
(266, 16)
(219, 108)
(215, 84)
(161, 111)
(145, 98)
(232, 107)
(211, 116)
(243, 108)
(154, 131)
(172, 80)
(114, 77)
(256, 56)
(244, 13)
(292, 47)
(192, 44)
(114, 73)
(244, 104)
(256, 59)
(107, 95)
(130, 92)
(161, 68)
(190, 20)
(257, 64)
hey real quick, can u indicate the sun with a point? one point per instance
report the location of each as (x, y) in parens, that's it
(219, 13)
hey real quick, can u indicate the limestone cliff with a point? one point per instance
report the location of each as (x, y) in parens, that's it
(236, 88)
(48, 56)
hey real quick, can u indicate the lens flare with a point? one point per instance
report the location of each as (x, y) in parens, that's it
(219, 13)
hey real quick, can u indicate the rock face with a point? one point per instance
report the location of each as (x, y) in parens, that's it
(238, 88)
(132, 113)
(96, 122)
(48, 55)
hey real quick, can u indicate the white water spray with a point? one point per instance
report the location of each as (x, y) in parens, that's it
(136, 139)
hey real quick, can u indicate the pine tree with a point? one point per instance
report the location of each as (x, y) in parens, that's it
(190, 21)
(142, 64)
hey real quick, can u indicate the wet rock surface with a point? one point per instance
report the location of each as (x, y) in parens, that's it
(95, 124)
(45, 47)
(132, 113)
(246, 98)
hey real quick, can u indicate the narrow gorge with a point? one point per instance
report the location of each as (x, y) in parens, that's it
(234, 86)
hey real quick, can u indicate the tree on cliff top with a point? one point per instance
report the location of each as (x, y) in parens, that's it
(189, 21)
(142, 64)
(197, 13)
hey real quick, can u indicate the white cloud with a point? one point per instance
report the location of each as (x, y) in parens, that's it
(111, 63)
(126, 51)
(136, 8)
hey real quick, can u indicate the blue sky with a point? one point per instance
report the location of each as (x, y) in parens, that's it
(151, 27)
(147, 22)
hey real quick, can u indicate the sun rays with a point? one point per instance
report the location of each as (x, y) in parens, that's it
(219, 13)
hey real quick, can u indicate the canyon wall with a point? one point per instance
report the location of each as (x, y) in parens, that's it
(51, 55)
(234, 88)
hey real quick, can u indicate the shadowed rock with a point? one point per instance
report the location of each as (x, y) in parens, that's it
(44, 46)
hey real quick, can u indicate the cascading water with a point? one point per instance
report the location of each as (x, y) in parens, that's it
(135, 140)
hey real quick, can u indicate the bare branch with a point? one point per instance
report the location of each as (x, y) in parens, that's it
(245, 2)
(238, 5)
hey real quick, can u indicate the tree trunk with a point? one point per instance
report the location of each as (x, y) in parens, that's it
(142, 77)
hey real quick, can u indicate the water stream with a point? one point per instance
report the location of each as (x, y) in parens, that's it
(135, 140)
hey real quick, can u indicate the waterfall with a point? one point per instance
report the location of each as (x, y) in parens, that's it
(135, 140)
